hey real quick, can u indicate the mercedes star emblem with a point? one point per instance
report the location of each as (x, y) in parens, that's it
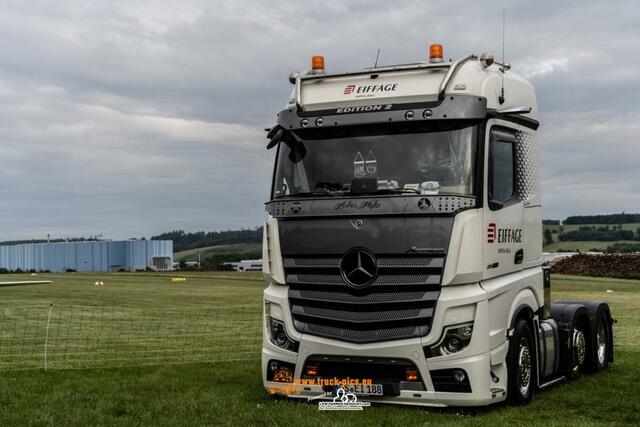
(359, 268)
(424, 203)
(357, 223)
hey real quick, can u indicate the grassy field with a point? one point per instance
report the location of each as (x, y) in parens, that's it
(242, 248)
(133, 319)
(230, 392)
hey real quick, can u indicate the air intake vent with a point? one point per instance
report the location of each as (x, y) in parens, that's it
(399, 304)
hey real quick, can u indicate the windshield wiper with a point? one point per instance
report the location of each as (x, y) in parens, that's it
(396, 191)
(385, 192)
(334, 193)
(328, 186)
(322, 189)
(314, 194)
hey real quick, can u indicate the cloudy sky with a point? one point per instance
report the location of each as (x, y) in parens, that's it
(136, 117)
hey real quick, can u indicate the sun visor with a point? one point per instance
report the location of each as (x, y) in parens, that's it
(370, 89)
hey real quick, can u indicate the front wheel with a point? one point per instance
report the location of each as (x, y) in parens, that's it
(521, 365)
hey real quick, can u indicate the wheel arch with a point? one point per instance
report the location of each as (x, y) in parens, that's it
(592, 310)
(522, 314)
(524, 306)
(568, 313)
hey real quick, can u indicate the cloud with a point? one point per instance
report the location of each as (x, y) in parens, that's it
(132, 118)
(79, 168)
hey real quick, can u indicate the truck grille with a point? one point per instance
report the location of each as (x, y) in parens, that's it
(399, 304)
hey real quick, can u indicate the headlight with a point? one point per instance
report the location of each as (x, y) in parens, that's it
(455, 339)
(277, 331)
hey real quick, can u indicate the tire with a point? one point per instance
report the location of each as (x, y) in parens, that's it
(580, 345)
(601, 341)
(521, 365)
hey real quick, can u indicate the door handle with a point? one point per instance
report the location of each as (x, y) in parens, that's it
(519, 257)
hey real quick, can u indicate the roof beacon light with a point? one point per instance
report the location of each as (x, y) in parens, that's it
(436, 53)
(317, 64)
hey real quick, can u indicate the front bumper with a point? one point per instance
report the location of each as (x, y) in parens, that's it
(477, 369)
(475, 360)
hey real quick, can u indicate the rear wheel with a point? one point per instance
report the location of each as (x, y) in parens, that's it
(579, 341)
(601, 343)
(521, 365)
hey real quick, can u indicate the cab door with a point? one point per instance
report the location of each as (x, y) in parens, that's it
(503, 209)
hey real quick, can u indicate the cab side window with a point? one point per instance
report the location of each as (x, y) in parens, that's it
(501, 165)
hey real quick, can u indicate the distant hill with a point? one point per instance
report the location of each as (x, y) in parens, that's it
(183, 241)
(237, 251)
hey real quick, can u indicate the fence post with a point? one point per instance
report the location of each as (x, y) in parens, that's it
(46, 337)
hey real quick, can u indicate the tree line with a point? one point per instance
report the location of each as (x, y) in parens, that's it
(68, 239)
(621, 218)
(600, 234)
(200, 239)
(603, 233)
(216, 262)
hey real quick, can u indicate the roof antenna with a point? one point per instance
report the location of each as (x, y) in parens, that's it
(503, 69)
(377, 56)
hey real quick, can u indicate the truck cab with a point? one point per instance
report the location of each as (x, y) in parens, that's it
(403, 241)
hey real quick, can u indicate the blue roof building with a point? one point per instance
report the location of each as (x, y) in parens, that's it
(92, 256)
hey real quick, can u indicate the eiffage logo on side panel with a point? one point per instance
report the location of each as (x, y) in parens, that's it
(491, 233)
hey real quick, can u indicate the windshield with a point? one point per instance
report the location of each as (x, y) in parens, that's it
(423, 162)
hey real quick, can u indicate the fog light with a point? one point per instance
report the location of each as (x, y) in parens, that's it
(283, 375)
(409, 115)
(412, 374)
(311, 370)
(279, 371)
(450, 380)
(459, 376)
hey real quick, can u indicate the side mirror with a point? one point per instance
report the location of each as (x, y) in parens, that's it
(275, 136)
(495, 205)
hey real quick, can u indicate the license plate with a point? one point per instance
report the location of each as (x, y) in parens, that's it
(365, 389)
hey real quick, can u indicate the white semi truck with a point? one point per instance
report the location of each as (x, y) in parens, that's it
(403, 241)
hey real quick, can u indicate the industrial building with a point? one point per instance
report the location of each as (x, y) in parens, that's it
(93, 256)
(246, 265)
